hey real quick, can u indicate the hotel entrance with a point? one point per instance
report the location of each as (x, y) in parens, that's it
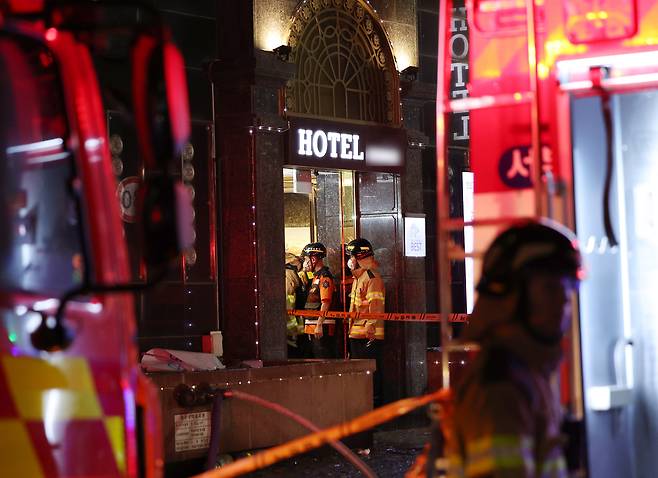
(336, 206)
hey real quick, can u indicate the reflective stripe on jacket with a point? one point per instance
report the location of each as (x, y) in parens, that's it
(368, 295)
(294, 325)
(506, 423)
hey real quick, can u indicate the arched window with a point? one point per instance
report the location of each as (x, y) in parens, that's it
(345, 67)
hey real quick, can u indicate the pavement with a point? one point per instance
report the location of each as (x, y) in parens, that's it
(393, 452)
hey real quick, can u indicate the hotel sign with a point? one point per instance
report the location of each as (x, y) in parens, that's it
(334, 145)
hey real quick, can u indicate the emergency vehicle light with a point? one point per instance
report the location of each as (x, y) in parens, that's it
(589, 22)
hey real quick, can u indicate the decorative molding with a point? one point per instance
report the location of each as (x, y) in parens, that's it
(345, 64)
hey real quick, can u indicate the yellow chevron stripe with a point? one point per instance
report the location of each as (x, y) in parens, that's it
(60, 388)
(17, 456)
(115, 433)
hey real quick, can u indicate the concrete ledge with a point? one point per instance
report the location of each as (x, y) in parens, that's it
(326, 392)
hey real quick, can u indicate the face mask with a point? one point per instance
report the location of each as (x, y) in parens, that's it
(352, 264)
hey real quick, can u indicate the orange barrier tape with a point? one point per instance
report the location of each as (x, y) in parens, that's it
(393, 316)
(318, 439)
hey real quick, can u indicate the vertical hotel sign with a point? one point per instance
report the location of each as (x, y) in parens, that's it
(458, 47)
(458, 150)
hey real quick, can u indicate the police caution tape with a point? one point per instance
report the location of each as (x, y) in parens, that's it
(394, 316)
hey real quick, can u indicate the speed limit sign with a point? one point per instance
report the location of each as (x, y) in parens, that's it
(127, 196)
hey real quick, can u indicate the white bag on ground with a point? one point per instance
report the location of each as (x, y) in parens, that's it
(166, 360)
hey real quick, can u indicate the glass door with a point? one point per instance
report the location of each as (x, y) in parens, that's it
(320, 206)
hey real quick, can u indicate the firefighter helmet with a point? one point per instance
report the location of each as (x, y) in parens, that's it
(315, 249)
(526, 247)
(360, 248)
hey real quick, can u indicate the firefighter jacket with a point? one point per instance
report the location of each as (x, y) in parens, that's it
(320, 291)
(506, 419)
(368, 295)
(294, 324)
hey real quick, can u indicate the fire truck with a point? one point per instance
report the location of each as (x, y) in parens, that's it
(72, 399)
(558, 100)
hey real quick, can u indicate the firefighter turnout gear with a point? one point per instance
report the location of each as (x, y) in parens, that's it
(368, 295)
(320, 291)
(294, 292)
(506, 417)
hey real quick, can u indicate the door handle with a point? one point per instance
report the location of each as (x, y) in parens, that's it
(607, 397)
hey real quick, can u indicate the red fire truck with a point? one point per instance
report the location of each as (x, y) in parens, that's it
(558, 100)
(72, 400)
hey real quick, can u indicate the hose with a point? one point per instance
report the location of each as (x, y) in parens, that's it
(215, 430)
(337, 445)
(320, 438)
(607, 121)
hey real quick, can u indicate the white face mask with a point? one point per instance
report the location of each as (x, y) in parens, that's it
(352, 264)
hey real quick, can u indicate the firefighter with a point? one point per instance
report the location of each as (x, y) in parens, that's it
(506, 417)
(294, 295)
(368, 295)
(321, 331)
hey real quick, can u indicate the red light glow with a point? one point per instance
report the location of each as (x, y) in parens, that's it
(51, 34)
(156, 216)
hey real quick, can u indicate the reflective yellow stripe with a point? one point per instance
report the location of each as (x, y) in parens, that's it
(370, 296)
(500, 452)
(17, 456)
(292, 326)
(358, 330)
(63, 387)
(554, 468)
(115, 433)
(455, 466)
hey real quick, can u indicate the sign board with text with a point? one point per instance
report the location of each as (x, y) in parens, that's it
(336, 145)
(191, 431)
(415, 241)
